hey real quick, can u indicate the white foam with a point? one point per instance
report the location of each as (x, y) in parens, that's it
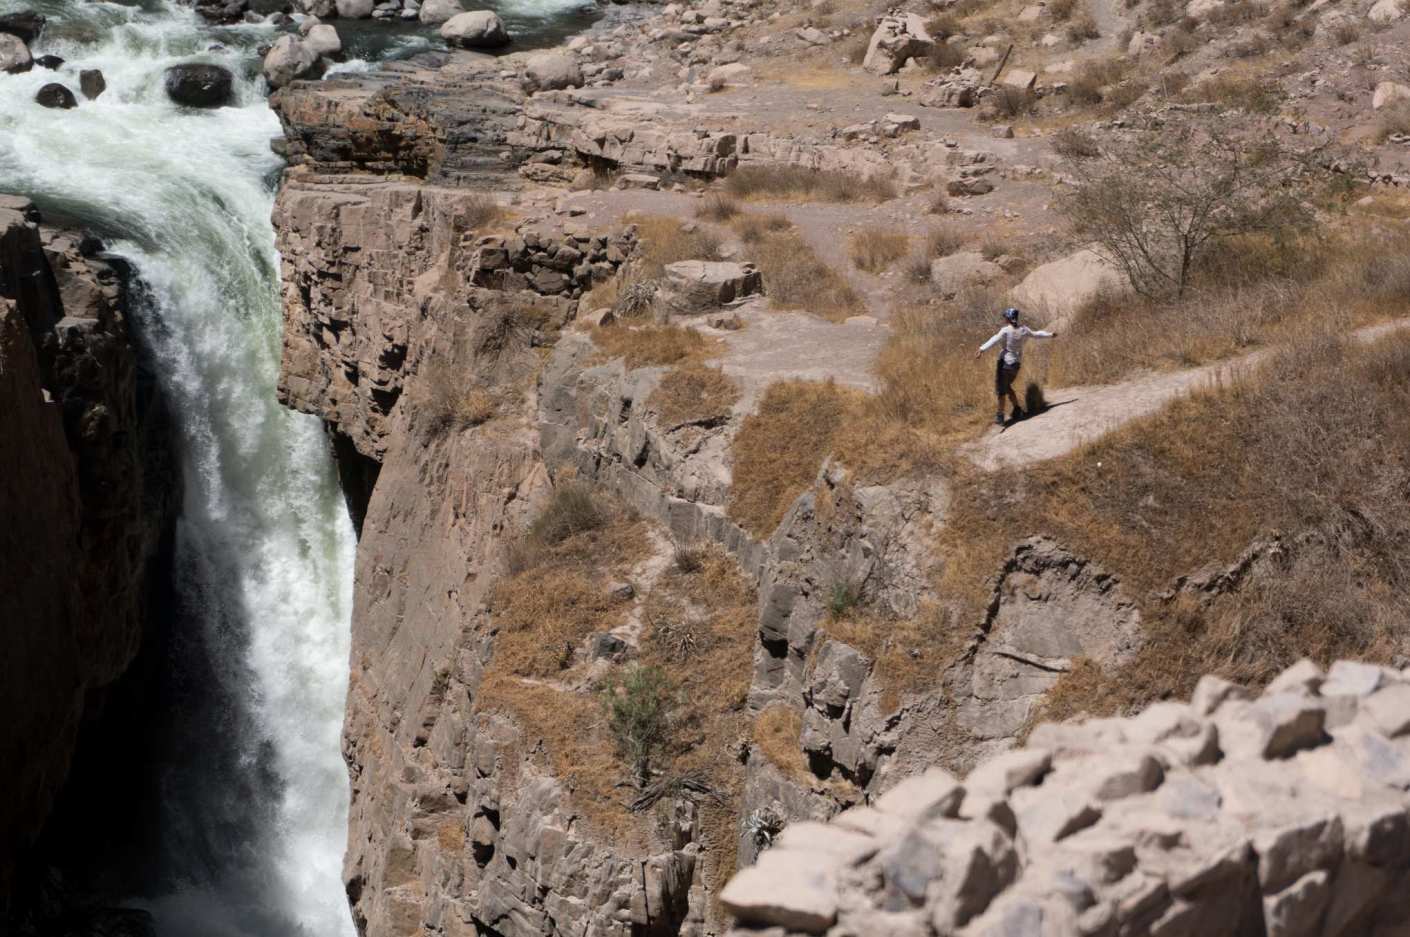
(264, 538)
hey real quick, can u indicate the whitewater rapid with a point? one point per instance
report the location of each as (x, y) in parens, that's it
(264, 549)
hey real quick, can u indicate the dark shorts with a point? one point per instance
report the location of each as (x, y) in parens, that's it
(1004, 375)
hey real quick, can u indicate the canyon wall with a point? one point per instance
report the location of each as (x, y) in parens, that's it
(86, 497)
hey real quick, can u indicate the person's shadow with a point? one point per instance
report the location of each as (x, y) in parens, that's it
(1035, 404)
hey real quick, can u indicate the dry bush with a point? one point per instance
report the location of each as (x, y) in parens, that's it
(1345, 33)
(779, 449)
(1173, 83)
(1155, 202)
(939, 203)
(942, 26)
(652, 345)
(1236, 14)
(1293, 450)
(1082, 28)
(799, 182)
(478, 212)
(943, 240)
(876, 249)
(450, 405)
(1126, 93)
(778, 733)
(1062, 10)
(693, 395)
(796, 278)
(1243, 91)
(572, 510)
(665, 240)
(1089, 85)
(855, 51)
(715, 84)
(717, 206)
(753, 229)
(944, 56)
(1071, 143)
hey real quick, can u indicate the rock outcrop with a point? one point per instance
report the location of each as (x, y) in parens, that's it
(86, 498)
(1282, 814)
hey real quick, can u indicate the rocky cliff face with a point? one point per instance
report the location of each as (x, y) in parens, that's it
(84, 499)
(465, 817)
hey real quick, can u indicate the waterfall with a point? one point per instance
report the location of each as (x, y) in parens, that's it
(253, 814)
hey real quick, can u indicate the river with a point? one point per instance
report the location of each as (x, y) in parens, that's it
(249, 794)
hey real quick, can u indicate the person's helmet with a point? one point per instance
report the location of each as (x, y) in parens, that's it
(1011, 314)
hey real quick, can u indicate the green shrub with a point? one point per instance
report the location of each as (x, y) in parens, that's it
(640, 704)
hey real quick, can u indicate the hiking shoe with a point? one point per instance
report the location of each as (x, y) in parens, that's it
(998, 419)
(1019, 414)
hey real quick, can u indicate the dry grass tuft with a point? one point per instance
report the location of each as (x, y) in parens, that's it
(693, 395)
(753, 228)
(877, 249)
(1247, 91)
(908, 654)
(778, 731)
(798, 182)
(779, 449)
(652, 345)
(717, 206)
(478, 212)
(666, 240)
(796, 278)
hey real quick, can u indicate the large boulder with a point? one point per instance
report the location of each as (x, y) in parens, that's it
(25, 25)
(435, 12)
(222, 12)
(354, 9)
(56, 95)
(481, 29)
(702, 285)
(324, 40)
(898, 39)
(952, 274)
(289, 60)
(1058, 289)
(1389, 92)
(14, 55)
(319, 8)
(552, 71)
(199, 85)
(1384, 12)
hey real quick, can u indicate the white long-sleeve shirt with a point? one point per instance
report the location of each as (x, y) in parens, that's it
(1013, 337)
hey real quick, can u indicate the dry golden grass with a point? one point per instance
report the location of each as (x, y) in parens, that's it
(665, 240)
(778, 731)
(754, 228)
(876, 249)
(717, 206)
(779, 449)
(796, 278)
(909, 654)
(647, 345)
(1298, 449)
(693, 394)
(812, 185)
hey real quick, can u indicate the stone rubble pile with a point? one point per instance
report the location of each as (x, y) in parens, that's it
(1285, 814)
(550, 264)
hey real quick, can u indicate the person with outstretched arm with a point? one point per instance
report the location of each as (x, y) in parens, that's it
(1010, 360)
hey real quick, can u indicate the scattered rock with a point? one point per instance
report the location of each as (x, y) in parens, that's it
(92, 83)
(324, 41)
(51, 62)
(1386, 11)
(969, 186)
(1389, 92)
(733, 73)
(56, 95)
(552, 71)
(702, 285)
(794, 890)
(480, 29)
(898, 39)
(1019, 79)
(435, 12)
(199, 85)
(289, 60)
(354, 9)
(14, 55)
(25, 25)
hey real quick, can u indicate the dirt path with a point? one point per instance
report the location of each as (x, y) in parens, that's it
(1079, 415)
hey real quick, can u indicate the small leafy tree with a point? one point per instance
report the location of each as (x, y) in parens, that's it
(1154, 201)
(640, 703)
